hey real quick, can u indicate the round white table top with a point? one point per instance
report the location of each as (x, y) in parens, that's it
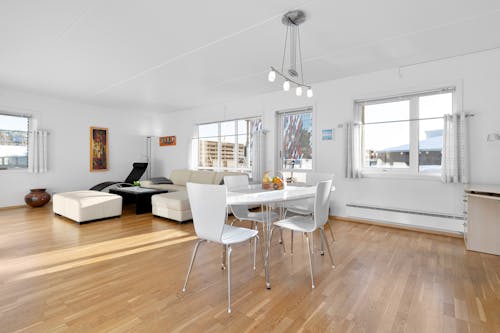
(254, 194)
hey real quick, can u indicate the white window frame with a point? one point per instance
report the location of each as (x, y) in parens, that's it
(196, 151)
(29, 121)
(413, 170)
(279, 136)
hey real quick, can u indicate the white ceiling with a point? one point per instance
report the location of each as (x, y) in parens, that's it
(172, 55)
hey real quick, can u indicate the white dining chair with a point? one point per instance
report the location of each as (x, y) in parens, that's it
(241, 212)
(310, 223)
(208, 206)
(306, 207)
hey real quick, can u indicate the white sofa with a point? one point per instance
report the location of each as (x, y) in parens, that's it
(174, 205)
(84, 206)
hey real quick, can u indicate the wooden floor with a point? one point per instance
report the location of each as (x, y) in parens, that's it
(126, 275)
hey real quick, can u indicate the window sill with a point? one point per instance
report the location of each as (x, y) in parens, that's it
(388, 175)
(13, 171)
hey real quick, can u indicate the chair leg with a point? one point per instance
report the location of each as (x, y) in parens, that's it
(281, 240)
(322, 248)
(331, 231)
(291, 241)
(254, 243)
(310, 260)
(312, 244)
(271, 238)
(224, 256)
(255, 249)
(228, 250)
(195, 250)
(323, 237)
(257, 240)
(281, 231)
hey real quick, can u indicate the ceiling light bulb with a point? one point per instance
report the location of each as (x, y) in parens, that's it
(286, 85)
(271, 76)
(298, 91)
(309, 92)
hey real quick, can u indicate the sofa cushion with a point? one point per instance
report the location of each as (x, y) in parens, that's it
(174, 200)
(180, 176)
(202, 177)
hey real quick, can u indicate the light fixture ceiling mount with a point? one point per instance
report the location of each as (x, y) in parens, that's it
(294, 73)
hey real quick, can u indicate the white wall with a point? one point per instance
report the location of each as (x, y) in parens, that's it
(68, 124)
(476, 76)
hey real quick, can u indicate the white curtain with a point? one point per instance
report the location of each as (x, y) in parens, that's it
(453, 158)
(258, 155)
(37, 154)
(353, 150)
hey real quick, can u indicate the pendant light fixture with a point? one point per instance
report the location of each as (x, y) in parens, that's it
(294, 74)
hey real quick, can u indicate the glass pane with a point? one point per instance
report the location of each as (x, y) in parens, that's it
(430, 145)
(244, 152)
(208, 152)
(228, 128)
(435, 105)
(208, 130)
(297, 141)
(430, 142)
(228, 144)
(387, 145)
(391, 111)
(244, 126)
(13, 142)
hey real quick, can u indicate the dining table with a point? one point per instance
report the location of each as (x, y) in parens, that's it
(254, 194)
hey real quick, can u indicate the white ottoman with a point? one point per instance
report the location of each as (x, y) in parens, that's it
(172, 205)
(83, 206)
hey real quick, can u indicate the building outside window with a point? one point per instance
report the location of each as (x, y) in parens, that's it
(225, 145)
(404, 134)
(13, 141)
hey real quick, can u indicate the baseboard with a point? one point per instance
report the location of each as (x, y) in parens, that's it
(398, 226)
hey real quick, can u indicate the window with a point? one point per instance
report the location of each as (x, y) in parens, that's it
(13, 142)
(404, 134)
(225, 145)
(295, 137)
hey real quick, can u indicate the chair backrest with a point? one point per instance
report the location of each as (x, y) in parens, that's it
(240, 211)
(313, 178)
(138, 169)
(322, 202)
(208, 206)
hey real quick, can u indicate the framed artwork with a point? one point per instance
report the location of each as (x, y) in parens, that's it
(167, 141)
(327, 135)
(98, 149)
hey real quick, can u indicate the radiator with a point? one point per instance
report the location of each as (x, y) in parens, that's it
(406, 217)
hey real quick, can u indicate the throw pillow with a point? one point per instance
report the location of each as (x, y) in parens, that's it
(161, 180)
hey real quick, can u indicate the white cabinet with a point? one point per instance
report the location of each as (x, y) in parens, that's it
(482, 228)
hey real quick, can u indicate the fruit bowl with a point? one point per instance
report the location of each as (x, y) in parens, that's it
(275, 184)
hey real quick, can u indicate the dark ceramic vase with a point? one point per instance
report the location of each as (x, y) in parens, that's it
(37, 197)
